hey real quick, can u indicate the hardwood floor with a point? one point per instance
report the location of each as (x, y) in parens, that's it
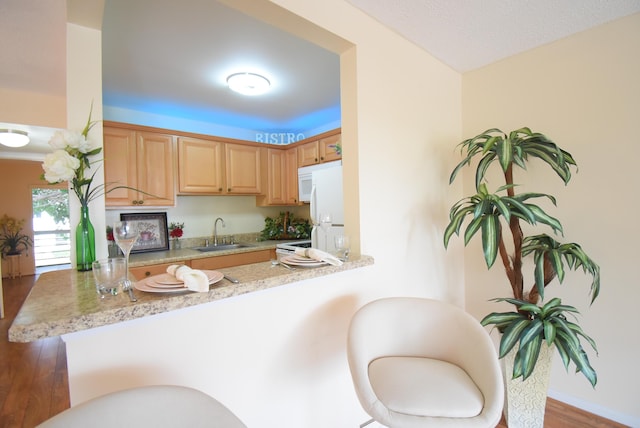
(34, 384)
(33, 376)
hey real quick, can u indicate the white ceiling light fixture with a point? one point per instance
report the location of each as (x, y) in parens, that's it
(14, 137)
(248, 83)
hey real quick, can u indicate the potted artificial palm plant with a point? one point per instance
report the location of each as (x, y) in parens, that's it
(12, 240)
(532, 327)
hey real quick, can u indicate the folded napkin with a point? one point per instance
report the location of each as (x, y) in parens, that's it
(194, 280)
(319, 255)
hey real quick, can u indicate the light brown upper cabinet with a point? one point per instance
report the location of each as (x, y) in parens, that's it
(243, 169)
(309, 153)
(319, 151)
(274, 178)
(292, 177)
(328, 150)
(140, 160)
(200, 166)
(280, 178)
(209, 167)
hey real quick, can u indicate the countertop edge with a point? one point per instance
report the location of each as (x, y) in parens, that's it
(261, 276)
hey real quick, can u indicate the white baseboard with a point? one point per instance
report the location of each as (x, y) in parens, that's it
(596, 409)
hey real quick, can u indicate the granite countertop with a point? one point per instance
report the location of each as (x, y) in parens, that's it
(174, 256)
(66, 301)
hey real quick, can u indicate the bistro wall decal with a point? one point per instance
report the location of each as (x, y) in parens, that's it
(278, 137)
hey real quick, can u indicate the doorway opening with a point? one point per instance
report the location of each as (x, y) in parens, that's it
(51, 231)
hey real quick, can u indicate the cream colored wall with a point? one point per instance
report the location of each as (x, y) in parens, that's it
(283, 352)
(84, 89)
(18, 107)
(401, 117)
(582, 92)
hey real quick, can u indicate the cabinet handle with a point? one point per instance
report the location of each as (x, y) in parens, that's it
(321, 157)
(316, 159)
(141, 202)
(219, 189)
(147, 273)
(135, 202)
(229, 189)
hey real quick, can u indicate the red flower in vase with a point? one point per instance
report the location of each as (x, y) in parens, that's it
(176, 233)
(110, 234)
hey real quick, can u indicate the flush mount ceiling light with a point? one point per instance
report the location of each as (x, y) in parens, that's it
(13, 137)
(248, 83)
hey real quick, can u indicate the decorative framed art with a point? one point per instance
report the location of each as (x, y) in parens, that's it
(152, 229)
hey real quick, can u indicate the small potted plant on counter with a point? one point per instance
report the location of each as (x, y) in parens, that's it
(285, 226)
(176, 232)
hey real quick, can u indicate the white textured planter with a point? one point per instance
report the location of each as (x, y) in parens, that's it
(525, 401)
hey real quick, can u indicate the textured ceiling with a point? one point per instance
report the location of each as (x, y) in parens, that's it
(468, 34)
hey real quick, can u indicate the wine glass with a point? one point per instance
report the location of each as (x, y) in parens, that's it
(126, 234)
(324, 221)
(343, 247)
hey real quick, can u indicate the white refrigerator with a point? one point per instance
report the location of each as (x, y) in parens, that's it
(326, 197)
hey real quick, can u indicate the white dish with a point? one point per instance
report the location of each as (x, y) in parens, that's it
(302, 261)
(150, 285)
(166, 280)
(143, 286)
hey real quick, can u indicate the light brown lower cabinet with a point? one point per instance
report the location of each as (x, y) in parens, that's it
(219, 262)
(208, 263)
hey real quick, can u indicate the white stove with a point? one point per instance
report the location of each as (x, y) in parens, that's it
(287, 248)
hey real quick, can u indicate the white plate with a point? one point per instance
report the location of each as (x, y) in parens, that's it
(151, 286)
(143, 286)
(302, 261)
(166, 280)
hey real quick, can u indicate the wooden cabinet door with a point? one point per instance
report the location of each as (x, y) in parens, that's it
(243, 169)
(230, 260)
(277, 177)
(308, 154)
(291, 197)
(120, 165)
(155, 168)
(200, 166)
(328, 151)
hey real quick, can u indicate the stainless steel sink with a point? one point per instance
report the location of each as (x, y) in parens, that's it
(221, 247)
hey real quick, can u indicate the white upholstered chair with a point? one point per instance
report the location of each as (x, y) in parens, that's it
(162, 406)
(424, 363)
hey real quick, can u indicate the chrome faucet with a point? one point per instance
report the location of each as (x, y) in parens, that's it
(215, 230)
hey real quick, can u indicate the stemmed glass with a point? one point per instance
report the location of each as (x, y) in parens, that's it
(126, 234)
(324, 221)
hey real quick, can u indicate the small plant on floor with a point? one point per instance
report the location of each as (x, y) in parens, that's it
(496, 218)
(12, 240)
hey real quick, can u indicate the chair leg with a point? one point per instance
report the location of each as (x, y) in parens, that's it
(366, 423)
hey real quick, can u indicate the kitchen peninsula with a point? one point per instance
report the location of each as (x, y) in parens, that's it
(65, 301)
(230, 342)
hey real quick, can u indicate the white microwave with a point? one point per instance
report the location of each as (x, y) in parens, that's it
(305, 178)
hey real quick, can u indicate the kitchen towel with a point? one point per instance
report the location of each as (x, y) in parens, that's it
(319, 255)
(194, 279)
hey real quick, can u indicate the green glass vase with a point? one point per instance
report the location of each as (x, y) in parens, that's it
(85, 241)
